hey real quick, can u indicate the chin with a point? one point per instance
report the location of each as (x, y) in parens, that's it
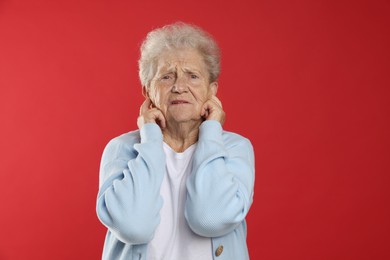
(185, 119)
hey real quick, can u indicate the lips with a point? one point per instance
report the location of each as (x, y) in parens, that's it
(179, 102)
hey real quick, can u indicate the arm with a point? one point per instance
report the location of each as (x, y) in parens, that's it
(129, 199)
(220, 188)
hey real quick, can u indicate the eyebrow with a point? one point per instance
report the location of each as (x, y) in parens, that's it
(186, 70)
(189, 70)
(172, 69)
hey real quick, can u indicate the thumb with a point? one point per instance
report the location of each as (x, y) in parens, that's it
(145, 106)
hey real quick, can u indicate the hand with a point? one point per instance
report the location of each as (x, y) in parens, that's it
(148, 113)
(212, 110)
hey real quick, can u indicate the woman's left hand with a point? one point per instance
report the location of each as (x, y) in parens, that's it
(212, 110)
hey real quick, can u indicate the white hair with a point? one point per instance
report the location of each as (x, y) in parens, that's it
(177, 36)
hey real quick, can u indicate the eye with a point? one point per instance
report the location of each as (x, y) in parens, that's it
(167, 77)
(193, 76)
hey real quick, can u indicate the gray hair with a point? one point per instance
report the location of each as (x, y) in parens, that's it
(176, 36)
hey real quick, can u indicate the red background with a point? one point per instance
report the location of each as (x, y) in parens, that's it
(306, 81)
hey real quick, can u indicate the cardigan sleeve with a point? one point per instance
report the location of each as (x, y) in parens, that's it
(220, 187)
(131, 173)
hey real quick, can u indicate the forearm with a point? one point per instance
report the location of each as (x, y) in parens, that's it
(220, 189)
(129, 200)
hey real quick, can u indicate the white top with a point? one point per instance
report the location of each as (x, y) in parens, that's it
(173, 239)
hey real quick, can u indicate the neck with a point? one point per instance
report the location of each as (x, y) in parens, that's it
(180, 136)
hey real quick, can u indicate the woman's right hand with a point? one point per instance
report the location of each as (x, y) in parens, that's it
(148, 113)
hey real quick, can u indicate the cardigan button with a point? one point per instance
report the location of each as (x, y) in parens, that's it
(219, 250)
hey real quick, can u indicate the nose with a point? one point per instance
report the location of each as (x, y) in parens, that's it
(180, 85)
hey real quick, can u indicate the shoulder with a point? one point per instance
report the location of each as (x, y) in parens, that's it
(123, 143)
(131, 137)
(239, 146)
(232, 139)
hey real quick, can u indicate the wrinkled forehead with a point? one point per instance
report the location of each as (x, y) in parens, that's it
(188, 59)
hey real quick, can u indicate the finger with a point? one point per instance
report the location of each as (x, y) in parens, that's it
(155, 115)
(145, 106)
(207, 113)
(212, 110)
(215, 99)
(202, 111)
(206, 109)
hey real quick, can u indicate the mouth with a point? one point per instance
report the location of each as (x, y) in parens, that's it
(179, 102)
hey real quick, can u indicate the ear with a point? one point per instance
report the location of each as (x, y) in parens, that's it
(214, 88)
(145, 92)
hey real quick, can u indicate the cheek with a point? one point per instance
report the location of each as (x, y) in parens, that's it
(202, 96)
(201, 92)
(158, 98)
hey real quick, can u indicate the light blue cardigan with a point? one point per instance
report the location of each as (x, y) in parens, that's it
(219, 191)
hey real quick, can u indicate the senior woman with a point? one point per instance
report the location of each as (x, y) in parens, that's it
(180, 187)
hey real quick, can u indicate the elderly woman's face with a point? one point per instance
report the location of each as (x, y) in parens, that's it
(181, 85)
